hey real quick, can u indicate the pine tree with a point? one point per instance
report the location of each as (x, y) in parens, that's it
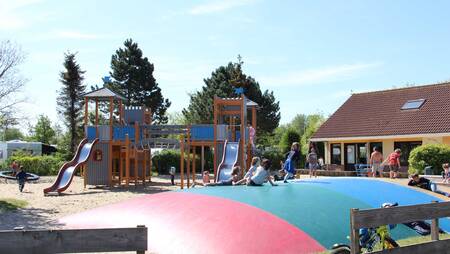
(133, 77)
(70, 99)
(223, 83)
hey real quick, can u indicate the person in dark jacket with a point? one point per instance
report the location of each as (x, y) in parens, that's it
(21, 177)
(291, 158)
(426, 184)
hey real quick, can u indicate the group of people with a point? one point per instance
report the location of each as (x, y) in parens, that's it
(427, 184)
(377, 163)
(257, 175)
(259, 171)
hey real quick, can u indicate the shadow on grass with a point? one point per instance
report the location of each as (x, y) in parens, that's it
(30, 218)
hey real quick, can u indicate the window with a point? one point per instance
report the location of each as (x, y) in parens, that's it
(336, 154)
(406, 148)
(379, 145)
(413, 104)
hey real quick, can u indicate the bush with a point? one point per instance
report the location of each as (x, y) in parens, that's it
(433, 155)
(165, 159)
(289, 137)
(275, 156)
(41, 165)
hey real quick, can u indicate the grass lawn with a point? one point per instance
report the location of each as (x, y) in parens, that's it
(409, 241)
(420, 239)
(10, 204)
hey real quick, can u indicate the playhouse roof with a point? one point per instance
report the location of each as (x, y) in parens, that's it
(404, 111)
(104, 93)
(251, 103)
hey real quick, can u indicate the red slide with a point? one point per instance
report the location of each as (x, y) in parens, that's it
(67, 170)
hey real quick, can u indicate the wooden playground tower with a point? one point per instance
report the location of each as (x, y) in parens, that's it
(230, 117)
(126, 158)
(123, 152)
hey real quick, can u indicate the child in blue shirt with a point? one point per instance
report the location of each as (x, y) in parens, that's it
(291, 157)
(21, 177)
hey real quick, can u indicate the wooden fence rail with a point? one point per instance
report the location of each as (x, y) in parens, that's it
(402, 214)
(74, 240)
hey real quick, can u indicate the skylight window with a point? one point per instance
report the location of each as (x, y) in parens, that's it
(413, 104)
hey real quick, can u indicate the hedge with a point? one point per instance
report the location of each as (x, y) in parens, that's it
(41, 165)
(433, 155)
(162, 161)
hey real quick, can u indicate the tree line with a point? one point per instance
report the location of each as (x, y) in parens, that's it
(131, 76)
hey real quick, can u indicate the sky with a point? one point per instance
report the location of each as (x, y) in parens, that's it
(312, 54)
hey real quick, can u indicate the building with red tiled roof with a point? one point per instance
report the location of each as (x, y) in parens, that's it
(399, 118)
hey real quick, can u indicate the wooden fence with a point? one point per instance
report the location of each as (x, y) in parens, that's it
(74, 240)
(402, 214)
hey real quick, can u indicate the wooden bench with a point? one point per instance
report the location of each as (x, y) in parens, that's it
(74, 240)
(402, 214)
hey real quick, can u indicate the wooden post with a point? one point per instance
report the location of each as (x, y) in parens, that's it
(96, 118)
(254, 117)
(182, 161)
(435, 227)
(216, 110)
(127, 160)
(86, 111)
(144, 166)
(243, 137)
(120, 165)
(188, 170)
(193, 164)
(120, 112)
(150, 164)
(111, 111)
(354, 233)
(203, 159)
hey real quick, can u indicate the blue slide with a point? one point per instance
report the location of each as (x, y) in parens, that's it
(67, 170)
(229, 160)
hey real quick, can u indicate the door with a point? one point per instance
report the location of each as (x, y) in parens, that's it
(350, 156)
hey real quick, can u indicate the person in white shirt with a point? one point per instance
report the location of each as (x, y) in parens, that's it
(261, 175)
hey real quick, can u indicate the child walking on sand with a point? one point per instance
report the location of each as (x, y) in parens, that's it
(291, 157)
(21, 177)
(172, 175)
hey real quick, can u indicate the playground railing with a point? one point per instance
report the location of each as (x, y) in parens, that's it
(101, 132)
(74, 240)
(372, 218)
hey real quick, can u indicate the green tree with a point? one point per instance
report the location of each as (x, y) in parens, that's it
(43, 131)
(70, 99)
(299, 123)
(133, 77)
(313, 122)
(222, 83)
(13, 134)
(290, 136)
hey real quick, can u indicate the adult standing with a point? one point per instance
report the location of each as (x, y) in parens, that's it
(376, 158)
(312, 160)
(393, 161)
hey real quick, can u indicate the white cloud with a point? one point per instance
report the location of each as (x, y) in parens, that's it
(10, 17)
(313, 76)
(219, 6)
